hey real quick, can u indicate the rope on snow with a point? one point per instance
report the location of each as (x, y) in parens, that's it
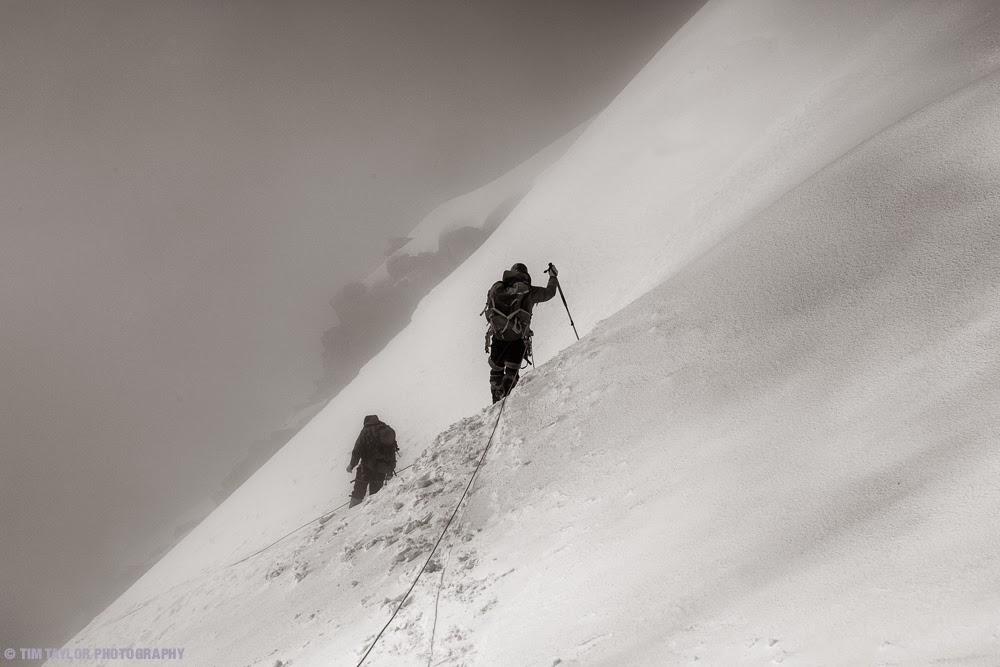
(440, 537)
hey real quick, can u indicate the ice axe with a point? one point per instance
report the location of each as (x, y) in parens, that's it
(563, 297)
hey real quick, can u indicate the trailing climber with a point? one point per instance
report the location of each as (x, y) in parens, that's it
(376, 450)
(508, 310)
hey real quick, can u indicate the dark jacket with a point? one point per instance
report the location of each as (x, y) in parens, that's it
(377, 456)
(535, 294)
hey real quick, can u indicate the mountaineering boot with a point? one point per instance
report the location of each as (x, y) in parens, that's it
(354, 501)
(507, 385)
(510, 376)
(496, 377)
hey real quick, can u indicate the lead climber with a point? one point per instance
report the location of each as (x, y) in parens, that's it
(509, 303)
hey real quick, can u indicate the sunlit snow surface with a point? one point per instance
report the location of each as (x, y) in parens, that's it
(777, 441)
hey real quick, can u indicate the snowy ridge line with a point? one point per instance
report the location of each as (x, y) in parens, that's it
(807, 404)
(430, 555)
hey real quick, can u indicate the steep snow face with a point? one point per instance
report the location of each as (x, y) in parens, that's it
(787, 452)
(784, 453)
(787, 439)
(745, 102)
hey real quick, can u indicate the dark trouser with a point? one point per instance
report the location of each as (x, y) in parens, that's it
(505, 365)
(365, 482)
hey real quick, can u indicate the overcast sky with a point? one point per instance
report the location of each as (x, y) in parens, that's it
(184, 185)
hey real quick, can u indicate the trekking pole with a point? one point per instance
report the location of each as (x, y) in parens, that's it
(563, 297)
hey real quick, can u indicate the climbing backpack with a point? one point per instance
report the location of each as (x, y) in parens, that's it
(505, 311)
(383, 449)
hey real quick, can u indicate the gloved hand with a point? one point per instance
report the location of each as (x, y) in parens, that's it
(350, 468)
(390, 475)
(552, 270)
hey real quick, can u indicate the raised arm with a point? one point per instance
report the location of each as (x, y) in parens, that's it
(541, 294)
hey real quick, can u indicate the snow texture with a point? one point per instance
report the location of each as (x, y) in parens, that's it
(776, 442)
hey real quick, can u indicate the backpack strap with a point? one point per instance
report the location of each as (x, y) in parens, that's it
(510, 322)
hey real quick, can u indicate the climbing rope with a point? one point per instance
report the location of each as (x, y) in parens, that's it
(308, 523)
(242, 560)
(440, 537)
(437, 601)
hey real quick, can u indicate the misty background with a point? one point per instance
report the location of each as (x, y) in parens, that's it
(184, 187)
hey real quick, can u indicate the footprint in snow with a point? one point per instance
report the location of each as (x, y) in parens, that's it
(407, 554)
(416, 523)
(761, 648)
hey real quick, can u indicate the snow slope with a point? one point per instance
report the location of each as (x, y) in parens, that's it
(778, 445)
(474, 208)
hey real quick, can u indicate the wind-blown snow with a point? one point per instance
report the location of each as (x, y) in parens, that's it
(777, 440)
